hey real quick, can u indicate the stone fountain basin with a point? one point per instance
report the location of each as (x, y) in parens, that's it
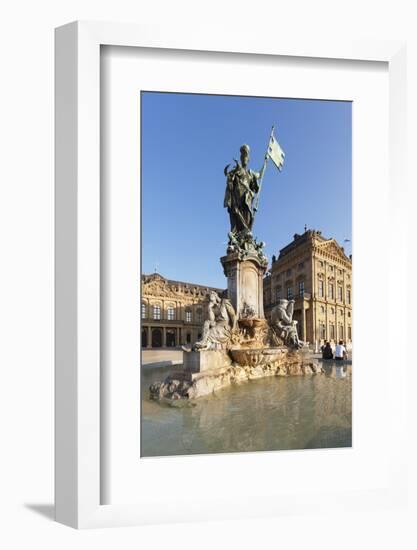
(252, 322)
(254, 357)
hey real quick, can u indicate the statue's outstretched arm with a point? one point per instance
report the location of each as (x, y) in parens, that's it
(260, 174)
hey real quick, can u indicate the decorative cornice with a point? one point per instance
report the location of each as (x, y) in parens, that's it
(162, 289)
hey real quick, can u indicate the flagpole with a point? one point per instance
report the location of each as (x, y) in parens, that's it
(263, 171)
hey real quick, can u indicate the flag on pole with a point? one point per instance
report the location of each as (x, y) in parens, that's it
(275, 153)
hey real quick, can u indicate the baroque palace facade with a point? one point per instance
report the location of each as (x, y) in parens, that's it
(172, 312)
(317, 274)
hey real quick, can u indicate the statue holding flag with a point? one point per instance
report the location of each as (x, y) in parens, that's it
(243, 189)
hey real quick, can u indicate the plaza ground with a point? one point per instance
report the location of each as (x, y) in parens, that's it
(162, 357)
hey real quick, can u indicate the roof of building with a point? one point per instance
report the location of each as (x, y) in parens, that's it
(299, 240)
(158, 276)
(309, 235)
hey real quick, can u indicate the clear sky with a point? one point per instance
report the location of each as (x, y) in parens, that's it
(186, 142)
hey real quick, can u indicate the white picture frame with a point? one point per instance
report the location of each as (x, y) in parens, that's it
(78, 426)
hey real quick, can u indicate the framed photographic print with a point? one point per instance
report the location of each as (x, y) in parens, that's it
(217, 302)
(275, 324)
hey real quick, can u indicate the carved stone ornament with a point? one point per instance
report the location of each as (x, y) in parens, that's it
(155, 285)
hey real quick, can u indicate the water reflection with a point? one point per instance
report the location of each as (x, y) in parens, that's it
(299, 412)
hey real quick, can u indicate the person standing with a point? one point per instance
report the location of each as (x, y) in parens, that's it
(345, 354)
(340, 352)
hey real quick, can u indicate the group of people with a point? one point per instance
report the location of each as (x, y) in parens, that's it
(340, 352)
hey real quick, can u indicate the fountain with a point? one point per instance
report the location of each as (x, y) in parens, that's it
(238, 344)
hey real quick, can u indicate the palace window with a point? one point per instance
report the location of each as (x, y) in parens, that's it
(199, 315)
(301, 265)
(301, 288)
(289, 292)
(188, 315)
(321, 288)
(330, 268)
(322, 309)
(322, 331)
(341, 332)
(348, 313)
(321, 264)
(278, 293)
(157, 312)
(331, 291)
(143, 311)
(350, 333)
(332, 310)
(340, 293)
(171, 313)
(289, 271)
(348, 296)
(332, 335)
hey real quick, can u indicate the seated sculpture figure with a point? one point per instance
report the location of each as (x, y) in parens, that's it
(282, 322)
(218, 328)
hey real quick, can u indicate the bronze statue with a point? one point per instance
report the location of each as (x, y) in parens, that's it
(241, 188)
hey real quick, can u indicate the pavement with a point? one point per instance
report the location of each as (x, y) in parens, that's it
(161, 357)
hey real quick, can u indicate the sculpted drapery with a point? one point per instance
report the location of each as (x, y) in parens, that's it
(241, 188)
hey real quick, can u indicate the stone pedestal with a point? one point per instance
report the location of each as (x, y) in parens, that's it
(245, 282)
(204, 361)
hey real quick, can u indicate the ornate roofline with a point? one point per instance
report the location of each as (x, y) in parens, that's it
(312, 240)
(158, 277)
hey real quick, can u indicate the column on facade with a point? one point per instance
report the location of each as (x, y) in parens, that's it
(345, 330)
(325, 296)
(313, 301)
(303, 320)
(344, 305)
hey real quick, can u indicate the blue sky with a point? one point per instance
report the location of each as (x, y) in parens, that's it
(186, 142)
